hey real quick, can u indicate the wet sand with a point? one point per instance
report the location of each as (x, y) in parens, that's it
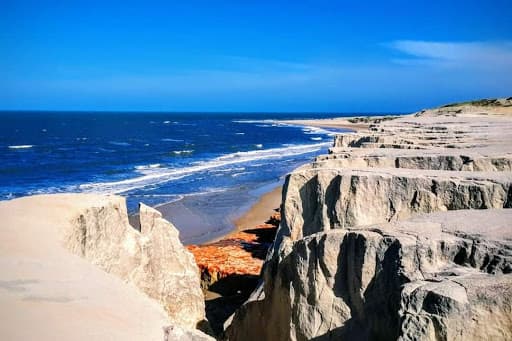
(260, 211)
(206, 218)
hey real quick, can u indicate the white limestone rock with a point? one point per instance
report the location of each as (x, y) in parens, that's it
(153, 259)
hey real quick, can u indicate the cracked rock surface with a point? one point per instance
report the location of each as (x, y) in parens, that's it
(401, 232)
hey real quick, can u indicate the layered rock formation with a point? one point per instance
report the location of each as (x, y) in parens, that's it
(53, 250)
(387, 237)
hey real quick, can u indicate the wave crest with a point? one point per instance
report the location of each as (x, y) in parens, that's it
(163, 175)
(21, 146)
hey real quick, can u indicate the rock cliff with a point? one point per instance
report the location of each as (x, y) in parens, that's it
(153, 258)
(400, 232)
(73, 268)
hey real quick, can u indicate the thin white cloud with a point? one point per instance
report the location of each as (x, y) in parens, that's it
(455, 54)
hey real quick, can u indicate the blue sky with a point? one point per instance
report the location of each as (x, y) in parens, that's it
(335, 56)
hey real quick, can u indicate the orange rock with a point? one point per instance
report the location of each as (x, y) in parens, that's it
(241, 253)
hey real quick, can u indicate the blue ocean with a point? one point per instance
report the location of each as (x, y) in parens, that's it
(215, 163)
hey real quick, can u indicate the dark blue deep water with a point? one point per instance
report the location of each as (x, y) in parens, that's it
(150, 157)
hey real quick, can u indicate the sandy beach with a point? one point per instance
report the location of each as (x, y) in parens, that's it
(260, 211)
(353, 123)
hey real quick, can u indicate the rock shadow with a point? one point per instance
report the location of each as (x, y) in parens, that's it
(234, 291)
(134, 221)
(374, 315)
(264, 239)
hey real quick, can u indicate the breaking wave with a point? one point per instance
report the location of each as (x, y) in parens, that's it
(163, 175)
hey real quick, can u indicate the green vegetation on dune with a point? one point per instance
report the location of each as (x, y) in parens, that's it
(485, 102)
(369, 119)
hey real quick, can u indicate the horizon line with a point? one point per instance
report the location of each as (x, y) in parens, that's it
(204, 112)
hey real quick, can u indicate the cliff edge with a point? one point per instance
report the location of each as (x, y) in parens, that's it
(401, 232)
(73, 268)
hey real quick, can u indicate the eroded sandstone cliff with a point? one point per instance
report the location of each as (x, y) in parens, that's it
(401, 232)
(73, 268)
(153, 258)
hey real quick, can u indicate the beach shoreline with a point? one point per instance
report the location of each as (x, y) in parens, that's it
(258, 211)
(268, 202)
(354, 123)
(253, 209)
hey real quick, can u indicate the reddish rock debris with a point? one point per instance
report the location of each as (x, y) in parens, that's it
(240, 253)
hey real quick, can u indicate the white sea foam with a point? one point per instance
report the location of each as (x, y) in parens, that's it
(277, 123)
(314, 130)
(227, 170)
(180, 152)
(167, 122)
(235, 175)
(316, 138)
(254, 121)
(49, 190)
(171, 140)
(21, 146)
(259, 145)
(163, 174)
(239, 133)
(122, 144)
(150, 166)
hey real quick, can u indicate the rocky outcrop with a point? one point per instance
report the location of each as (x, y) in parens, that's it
(73, 268)
(322, 199)
(409, 280)
(401, 232)
(153, 258)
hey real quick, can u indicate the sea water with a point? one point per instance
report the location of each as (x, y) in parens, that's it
(156, 158)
